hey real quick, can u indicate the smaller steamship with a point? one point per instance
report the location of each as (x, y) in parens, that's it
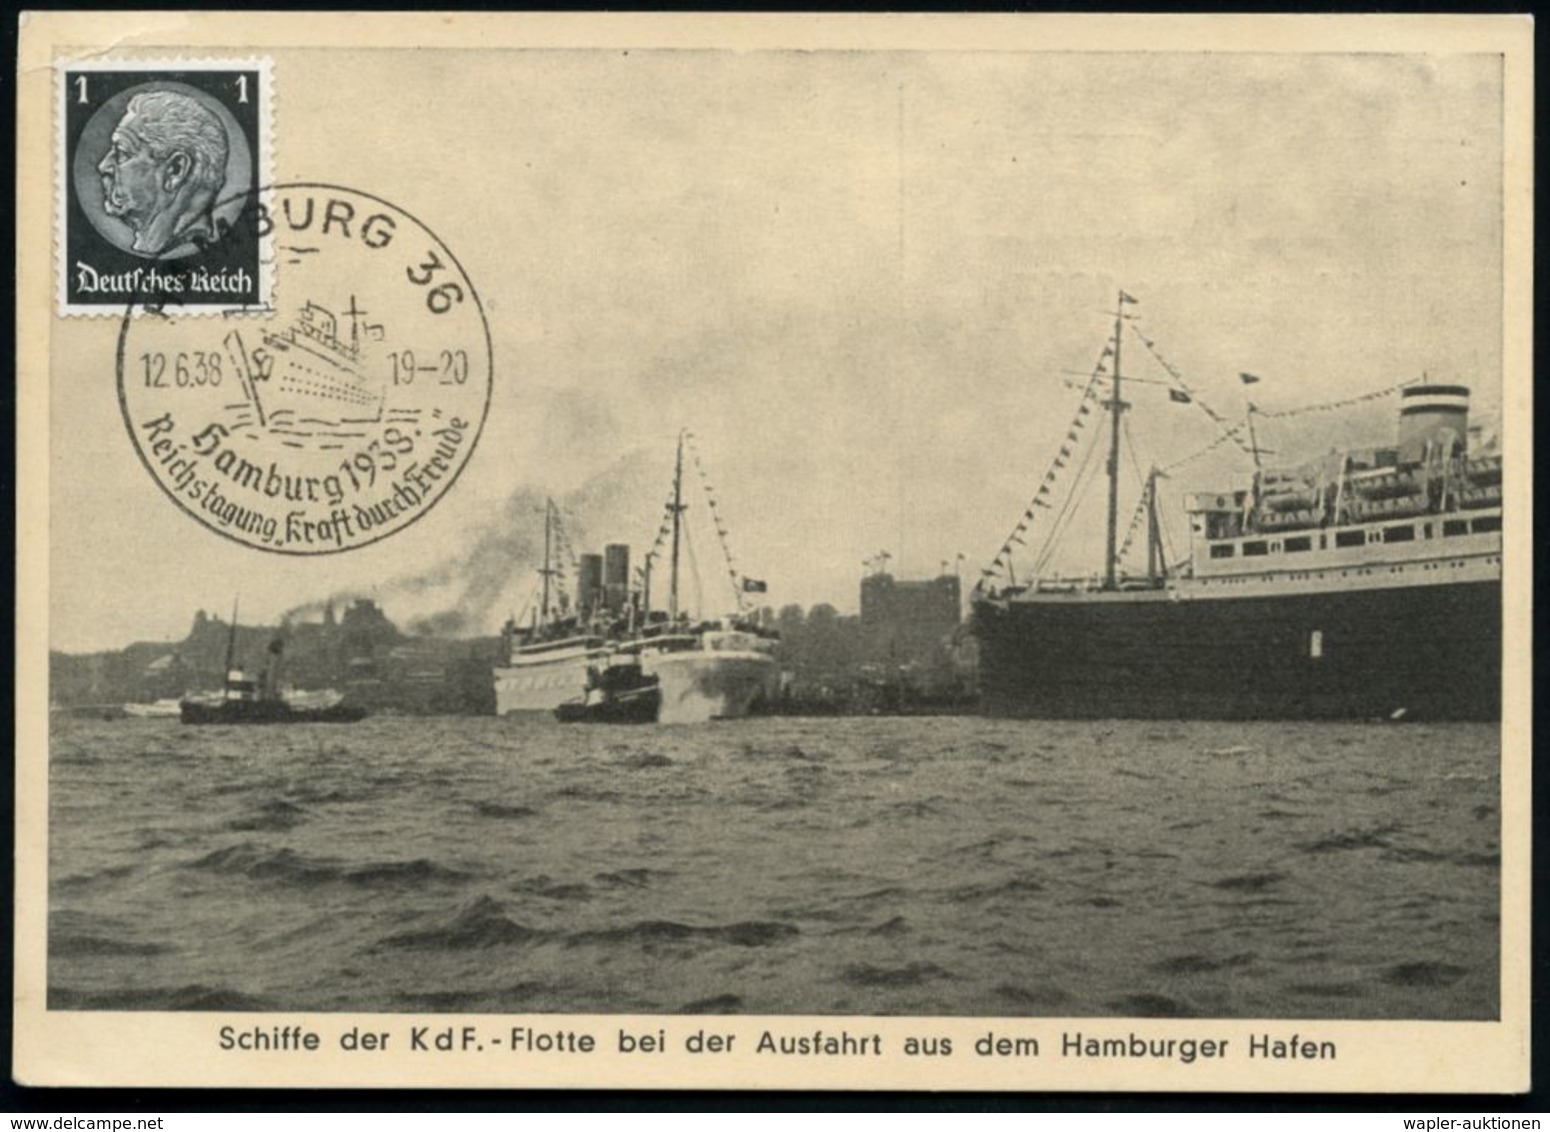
(614, 658)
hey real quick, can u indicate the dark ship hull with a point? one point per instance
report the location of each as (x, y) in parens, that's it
(1419, 652)
(638, 706)
(266, 711)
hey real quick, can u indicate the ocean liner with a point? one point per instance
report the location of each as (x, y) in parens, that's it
(573, 663)
(1363, 584)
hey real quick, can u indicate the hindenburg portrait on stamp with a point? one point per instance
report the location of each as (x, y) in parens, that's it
(163, 171)
(165, 157)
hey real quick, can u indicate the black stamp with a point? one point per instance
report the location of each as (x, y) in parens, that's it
(155, 163)
(334, 417)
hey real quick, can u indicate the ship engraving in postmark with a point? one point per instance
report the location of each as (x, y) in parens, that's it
(156, 160)
(338, 415)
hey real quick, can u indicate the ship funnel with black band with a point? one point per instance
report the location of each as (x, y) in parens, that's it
(616, 576)
(589, 581)
(1432, 418)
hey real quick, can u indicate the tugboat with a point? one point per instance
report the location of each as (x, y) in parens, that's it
(248, 701)
(616, 693)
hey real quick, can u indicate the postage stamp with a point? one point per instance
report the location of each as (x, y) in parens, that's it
(333, 418)
(154, 161)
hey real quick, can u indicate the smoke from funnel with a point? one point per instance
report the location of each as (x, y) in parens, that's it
(619, 502)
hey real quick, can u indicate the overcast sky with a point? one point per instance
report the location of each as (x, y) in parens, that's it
(861, 279)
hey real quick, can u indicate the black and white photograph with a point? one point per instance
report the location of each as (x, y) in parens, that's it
(798, 552)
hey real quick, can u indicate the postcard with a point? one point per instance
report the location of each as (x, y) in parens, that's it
(786, 551)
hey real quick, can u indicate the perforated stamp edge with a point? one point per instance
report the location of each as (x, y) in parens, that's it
(264, 172)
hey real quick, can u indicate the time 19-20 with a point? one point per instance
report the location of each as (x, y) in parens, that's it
(450, 368)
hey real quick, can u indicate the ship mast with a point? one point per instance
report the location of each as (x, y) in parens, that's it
(1116, 407)
(678, 508)
(231, 639)
(548, 571)
(231, 651)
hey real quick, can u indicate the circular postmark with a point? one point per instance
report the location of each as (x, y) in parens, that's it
(335, 416)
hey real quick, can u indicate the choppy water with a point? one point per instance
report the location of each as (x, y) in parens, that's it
(867, 866)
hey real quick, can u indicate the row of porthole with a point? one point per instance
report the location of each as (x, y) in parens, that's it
(560, 680)
(1349, 538)
(1295, 576)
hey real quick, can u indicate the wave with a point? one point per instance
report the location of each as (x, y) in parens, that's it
(1427, 856)
(1375, 838)
(1197, 964)
(501, 810)
(403, 874)
(909, 975)
(480, 925)
(86, 880)
(912, 810)
(1327, 990)
(194, 996)
(630, 878)
(256, 862)
(67, 946)
(746, 933)
(1249, 882)
(718, 1004)
(546, 887)
(272, 817)
(896, 926)
(1019, 885)
(526, 995)
(1423, 974)
(588, 794)
(1044, 998)
(1148, 1005)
